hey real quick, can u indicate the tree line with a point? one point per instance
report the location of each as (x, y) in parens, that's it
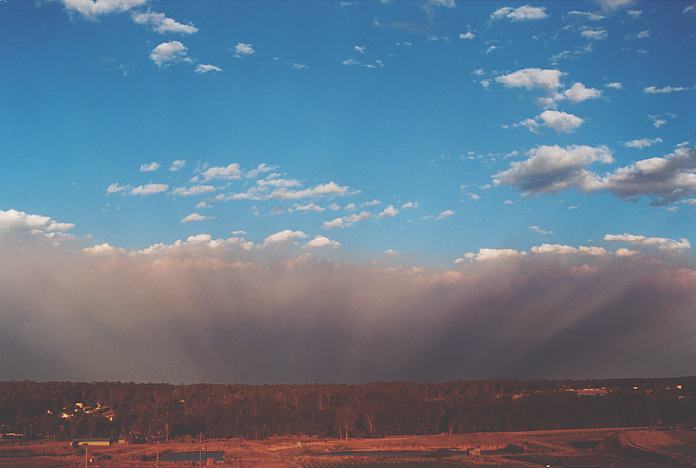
(142, 412)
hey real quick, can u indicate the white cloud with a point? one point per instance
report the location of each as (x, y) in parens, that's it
(283, 237)
(553, 168)
(522, 13)
(660, 243)
(665, 89)
(347, 221)
(409, 205)
(484, 255)
(642, 142)
(309, 207)
(634, 13)
(623, 252)
(149, 167)
(34, 224)
(193, 190)
(94, 8)
(149, 189)
(373, 202)
(445, 214)
(321, 190)
(611, 5)
(668, 178)
(568, 250)
(614, 85)
(560, 121)
(229, 172)
(538, 230)
(116, 188)
(161, 24)
(586, 15)
(594, 34)
(388, 212)
(193, 217)
(643, 34)
(207, 68)
(660, 120)
(169, 52)
(360, 49)
(258, 170)
(177, 165)
(103, 249)
(579, 92)
(689, 9)
(530, 78)
(473, 196)
(467, 36)
(243, 49)
(322, 241)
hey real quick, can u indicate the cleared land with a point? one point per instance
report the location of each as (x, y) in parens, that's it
(635, 447)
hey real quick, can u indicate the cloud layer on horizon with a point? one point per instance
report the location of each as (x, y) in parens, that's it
(221, 311)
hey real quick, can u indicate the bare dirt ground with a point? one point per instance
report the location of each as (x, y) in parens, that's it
(635, 447)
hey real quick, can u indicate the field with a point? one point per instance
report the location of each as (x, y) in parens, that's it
(587, 448)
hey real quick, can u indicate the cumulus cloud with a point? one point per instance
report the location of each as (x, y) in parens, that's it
(322, 241)
(538, 230)
(149, 167)
(116, 188)
(522, 13)
(388, 212)
(642, 142)
(95, 8)
(660, 243)
(32, 223)
(207, 68)
(611, 5)
(550, 169)
(594, 34)
(187, 311)
(161, 24)
(149, 189)
(229, 172)
(467, 36)
(346, 221)
(614, 85)
(169, 52)
(530, 78)
(193, 217)
(103, 249)
(560, 121)
(579, 92)
(665, 89)
(569, 249)
(193, 190)
(177, 165)
(409, 205)
(242, 49)
(485, 255)
(553, 168)
(321, 190)
(666, 179)
(445, 214)
(283, 237)
(585, 15)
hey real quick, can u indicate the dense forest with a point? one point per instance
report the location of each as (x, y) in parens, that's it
(144, 412)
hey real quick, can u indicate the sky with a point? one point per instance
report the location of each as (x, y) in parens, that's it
(313, 184)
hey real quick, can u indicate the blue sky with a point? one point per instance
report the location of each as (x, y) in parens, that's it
(428, 104)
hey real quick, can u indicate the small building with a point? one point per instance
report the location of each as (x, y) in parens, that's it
(92, 442)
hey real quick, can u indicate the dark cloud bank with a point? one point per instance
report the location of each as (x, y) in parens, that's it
(201, 314)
